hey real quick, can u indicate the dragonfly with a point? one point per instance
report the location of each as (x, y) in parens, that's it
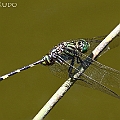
(66, 57)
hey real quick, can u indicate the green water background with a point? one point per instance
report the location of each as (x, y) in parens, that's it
(29, 31)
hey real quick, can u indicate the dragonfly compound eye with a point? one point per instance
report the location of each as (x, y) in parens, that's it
(83, 45)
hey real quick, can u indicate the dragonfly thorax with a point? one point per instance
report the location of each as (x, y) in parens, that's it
(70, 49)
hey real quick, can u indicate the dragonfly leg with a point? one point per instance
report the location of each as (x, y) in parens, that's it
(79, 60)
(71, 67)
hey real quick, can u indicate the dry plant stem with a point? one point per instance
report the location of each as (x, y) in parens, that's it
(67, 84)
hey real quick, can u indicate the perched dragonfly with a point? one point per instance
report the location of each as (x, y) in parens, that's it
(65, 58)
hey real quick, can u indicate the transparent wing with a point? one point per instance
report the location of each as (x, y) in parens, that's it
(91, 83)
(103, 74)
(60, 70)
(100, 77)
(96, 40)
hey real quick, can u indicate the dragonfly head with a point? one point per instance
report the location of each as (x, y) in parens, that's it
(83, 45)
(47, 60)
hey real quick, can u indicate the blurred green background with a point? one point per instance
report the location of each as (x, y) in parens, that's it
(29, 31)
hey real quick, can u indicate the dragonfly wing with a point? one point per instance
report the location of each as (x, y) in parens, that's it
(96, 40)
(60, 70)
(104, 74)
(91, 83)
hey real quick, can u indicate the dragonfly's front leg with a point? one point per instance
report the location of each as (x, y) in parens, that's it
(71, 67)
